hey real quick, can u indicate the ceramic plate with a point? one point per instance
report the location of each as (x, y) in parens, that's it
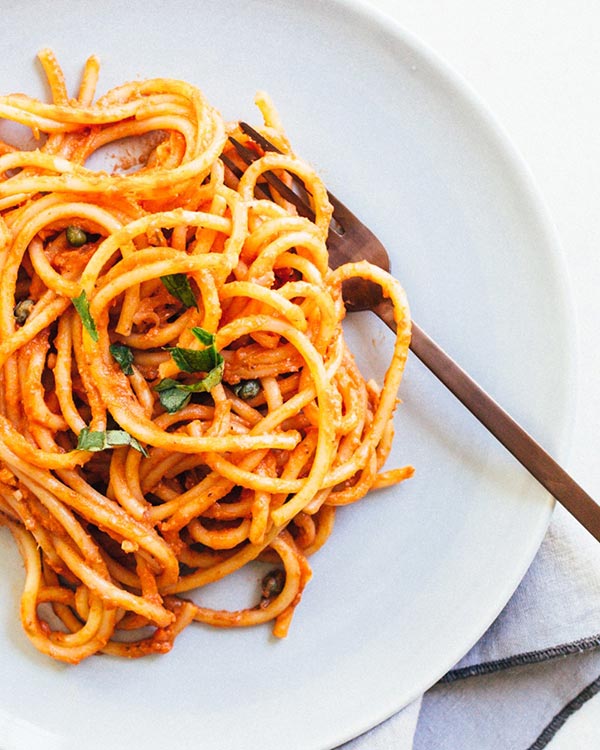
(413, 575)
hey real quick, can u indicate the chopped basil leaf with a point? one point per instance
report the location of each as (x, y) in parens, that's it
(174, 395)
(191, 360)
(178, 285)
(214, 377)
(82, 306)
(92, 440)
(123, 356)
(171, 397)
(194, 360)
(203, 336)
(168, 383)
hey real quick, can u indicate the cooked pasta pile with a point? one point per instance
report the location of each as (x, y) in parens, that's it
(176, 397)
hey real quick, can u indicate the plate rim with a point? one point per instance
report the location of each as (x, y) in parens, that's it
(553, 250)
(520, 173)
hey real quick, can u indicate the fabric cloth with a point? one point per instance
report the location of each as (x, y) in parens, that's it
(533, 680)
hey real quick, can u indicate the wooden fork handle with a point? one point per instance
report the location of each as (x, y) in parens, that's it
(512, 436)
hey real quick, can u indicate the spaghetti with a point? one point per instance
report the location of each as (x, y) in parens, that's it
(176, 396)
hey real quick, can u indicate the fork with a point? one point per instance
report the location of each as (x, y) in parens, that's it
(350, 240)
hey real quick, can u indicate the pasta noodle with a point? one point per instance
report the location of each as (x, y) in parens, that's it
(176, 396)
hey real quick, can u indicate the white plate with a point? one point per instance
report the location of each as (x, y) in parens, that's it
(414, 575)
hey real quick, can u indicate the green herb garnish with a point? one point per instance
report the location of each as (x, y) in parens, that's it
(82, 306)
(174, 395)
(197, 360)
(93, 440)
(178, 285)
(123, 356)
(203, 336)
(191, 360)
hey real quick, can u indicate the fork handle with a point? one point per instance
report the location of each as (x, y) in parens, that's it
(494, 418)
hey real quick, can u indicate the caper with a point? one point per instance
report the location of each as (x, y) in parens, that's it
(22, 310)
(247, 389)
(76, 237)
(273, 583)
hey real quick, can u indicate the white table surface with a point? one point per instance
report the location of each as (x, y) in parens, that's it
(536, 64)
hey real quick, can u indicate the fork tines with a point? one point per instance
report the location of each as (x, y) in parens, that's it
(284, 190)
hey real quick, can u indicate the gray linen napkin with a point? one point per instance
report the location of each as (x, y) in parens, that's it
(535, 667)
